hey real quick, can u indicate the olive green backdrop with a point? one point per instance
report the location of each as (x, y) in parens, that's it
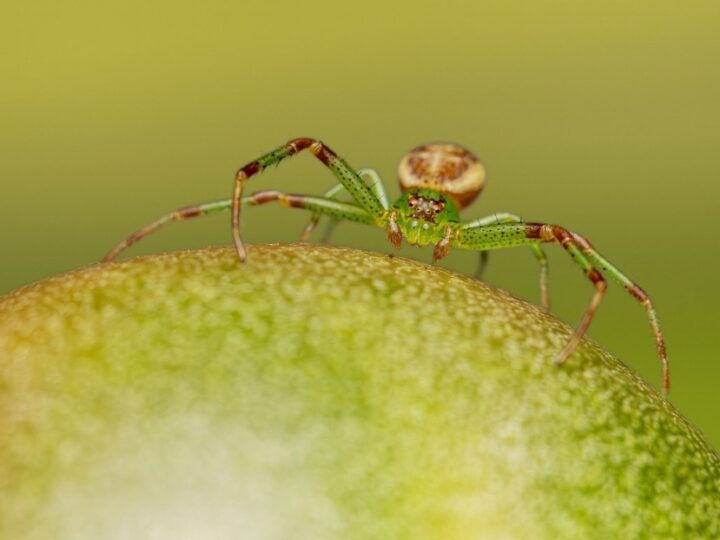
(600, 116)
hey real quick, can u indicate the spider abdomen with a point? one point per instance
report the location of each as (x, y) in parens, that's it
(445, 167)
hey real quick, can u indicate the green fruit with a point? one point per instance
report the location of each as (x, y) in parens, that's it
(324, 393)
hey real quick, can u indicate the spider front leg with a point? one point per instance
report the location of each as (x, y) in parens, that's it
(357, 188)
(504, 217)
(318, 205)
(377, 188)
(509, 235)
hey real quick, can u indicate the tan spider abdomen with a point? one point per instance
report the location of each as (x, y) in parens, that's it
(445, 167)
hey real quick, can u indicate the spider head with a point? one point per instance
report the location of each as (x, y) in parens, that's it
(443, 167)
(427, 205)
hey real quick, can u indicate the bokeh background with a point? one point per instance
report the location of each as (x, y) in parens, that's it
(603, 116)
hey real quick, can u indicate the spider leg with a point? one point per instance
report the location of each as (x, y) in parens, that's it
(336, 210)
(377, 188)
(318, 205)
(328, 232)
(508, 235)
(483, 257)
(504, 217)
(178, 215)
(331, 193)
(636, 292)
(357, 188)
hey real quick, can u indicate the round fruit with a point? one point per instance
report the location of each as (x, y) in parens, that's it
(325, 393)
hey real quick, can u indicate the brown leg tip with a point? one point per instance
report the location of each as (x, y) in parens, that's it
(110, 257)
(563, 355)
(241, 253)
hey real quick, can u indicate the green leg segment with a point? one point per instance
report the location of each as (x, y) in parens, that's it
(499, 219)
(636, 292)
(377, 188)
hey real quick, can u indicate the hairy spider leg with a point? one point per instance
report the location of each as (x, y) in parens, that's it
(357, 188)
(504, 217)
(509, 235)
(318, 205)
(376, 186)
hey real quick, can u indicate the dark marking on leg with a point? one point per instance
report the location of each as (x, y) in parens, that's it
(293, 201)
(292, 147)
(264, 197)
(323, 153)
(532, 230)
(637, 293)
(178, 215)
(595, 276)
(250, 169)
(642, 297)
(560, 235)
(188, 212)
(300, 143)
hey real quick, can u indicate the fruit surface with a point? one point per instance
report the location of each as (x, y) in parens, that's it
(325, 393)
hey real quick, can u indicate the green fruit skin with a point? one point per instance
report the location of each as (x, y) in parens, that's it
(325, 393)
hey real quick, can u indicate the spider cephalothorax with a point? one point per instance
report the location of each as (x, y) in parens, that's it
(438, 180)
(424, 216)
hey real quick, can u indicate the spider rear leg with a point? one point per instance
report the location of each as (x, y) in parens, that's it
(357, 188)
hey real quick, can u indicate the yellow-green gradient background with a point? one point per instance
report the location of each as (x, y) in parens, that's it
(600, 116)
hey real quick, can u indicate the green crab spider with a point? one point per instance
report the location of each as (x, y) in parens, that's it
(438, 180)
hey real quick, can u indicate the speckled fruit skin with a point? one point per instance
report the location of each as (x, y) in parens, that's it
(325, 393)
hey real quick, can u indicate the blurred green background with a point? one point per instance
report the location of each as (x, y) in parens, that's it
(600, 116)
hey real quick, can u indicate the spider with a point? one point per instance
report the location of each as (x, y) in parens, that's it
(438, 180)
